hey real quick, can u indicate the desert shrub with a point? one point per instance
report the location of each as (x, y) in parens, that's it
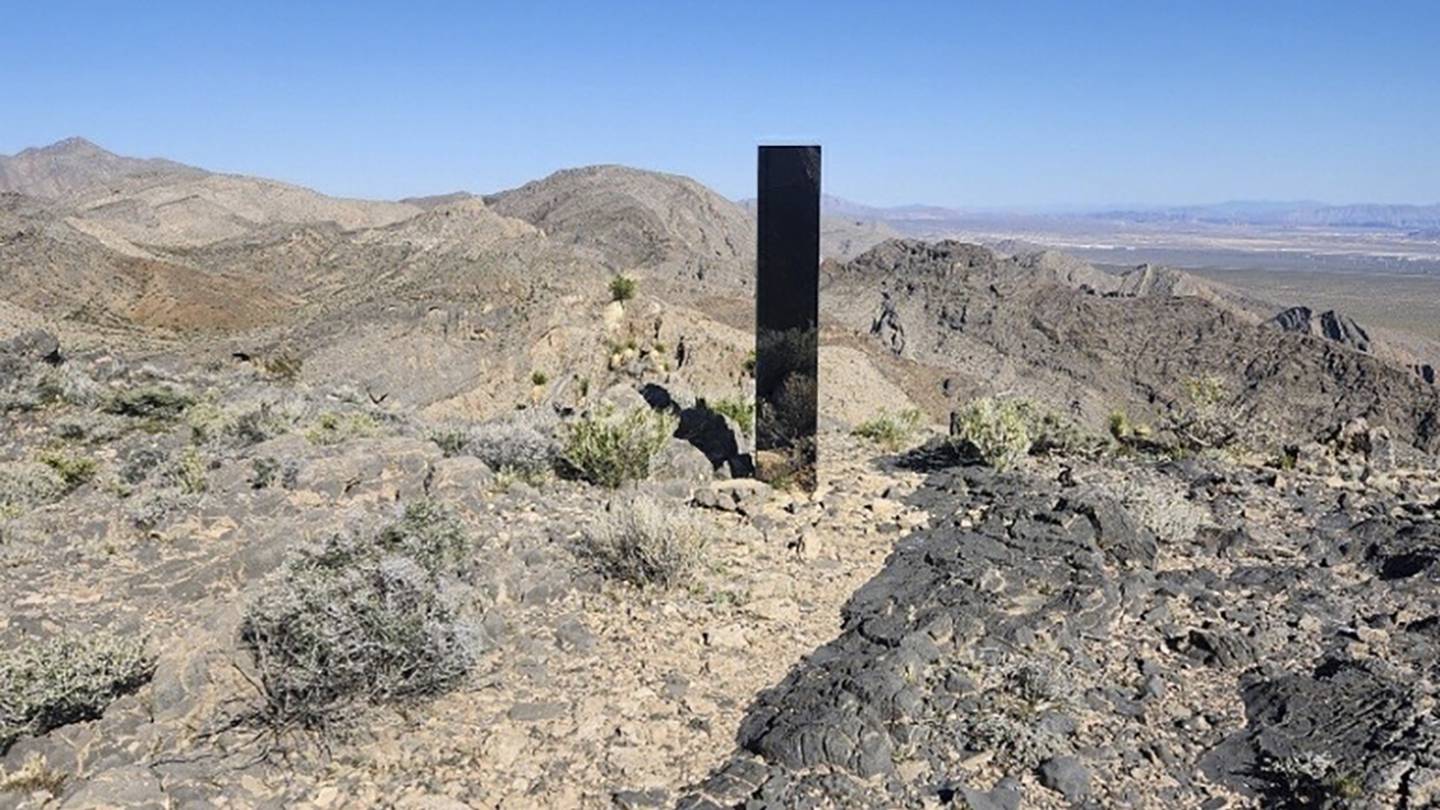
(1308, 779)
(738, 409)
(189, 473)
(284, 366)
(428, 533)
(150, 402)
(998, 431)
(1004, 720)
(257, 425)
(622, 288)
(451, 439)
(748, 364)
(513, 449)
(207, 422)
(333, 428)
(67, 385)
(1162, 507)
(790, 416)
(361, 619)
(35, 774)
(891, 430)
(66, 680)
(645, 543)
(1207, 418)
(74, 470)
(26, 485)
(612, 449)
(1001, 432)
(140, 463)
(538, 378)
(264, 472)
(148, 512)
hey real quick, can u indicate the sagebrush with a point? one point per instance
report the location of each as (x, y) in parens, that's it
(362, 618)
(645, 543)
(513, 449)
(66, 680)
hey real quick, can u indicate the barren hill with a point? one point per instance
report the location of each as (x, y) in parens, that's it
(1006, 326)
(668, 226)
(74, 164)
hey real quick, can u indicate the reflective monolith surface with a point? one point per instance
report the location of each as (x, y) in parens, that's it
(787, 314)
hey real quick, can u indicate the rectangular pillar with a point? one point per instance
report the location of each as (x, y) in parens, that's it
(787, 314)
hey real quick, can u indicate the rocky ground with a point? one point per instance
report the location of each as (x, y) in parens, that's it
(1113, 631)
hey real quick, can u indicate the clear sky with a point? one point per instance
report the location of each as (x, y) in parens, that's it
(966, 104)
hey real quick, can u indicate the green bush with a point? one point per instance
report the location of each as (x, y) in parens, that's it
(190, 472)
(27, 485)
(622, 288)
(740, 410)
(1208, 418)
(74, 470)
(1003, 432)
(998, 431)
(334, 428)
(150, 402)
(539, 378)
(648, 543)
(451, 439)
(892, 431)
(66, 680)
(361, 619)
(611, 450)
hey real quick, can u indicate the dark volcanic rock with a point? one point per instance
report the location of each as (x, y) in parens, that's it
(1346, 729)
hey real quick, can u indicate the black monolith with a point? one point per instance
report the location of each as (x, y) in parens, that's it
(787, 310)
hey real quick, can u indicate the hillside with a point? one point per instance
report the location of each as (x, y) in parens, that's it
(75, 164)
(666, 226)
(318, 502)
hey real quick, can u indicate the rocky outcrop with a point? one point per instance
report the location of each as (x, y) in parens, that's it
(1018, 652)
(1329, 324)
(963, 309)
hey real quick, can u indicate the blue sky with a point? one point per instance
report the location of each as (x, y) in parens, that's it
(967, 104)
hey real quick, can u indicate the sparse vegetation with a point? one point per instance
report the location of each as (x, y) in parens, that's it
(893, 431)
(748, 364)
(539, 378)
(150, 402)
(190, 472)
(997, 431)
(451, 439)
(1002, 432)
(738, 409)
(361, 619)
(284, 366)
(333, 428)
(149, 511)
(66, 680)
(622, 288)
(34, 775)
(67, 385)
(1209, 417)
(512, 449)
(646, 543)
(74, 470)
(26, 485)
(611, 449)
